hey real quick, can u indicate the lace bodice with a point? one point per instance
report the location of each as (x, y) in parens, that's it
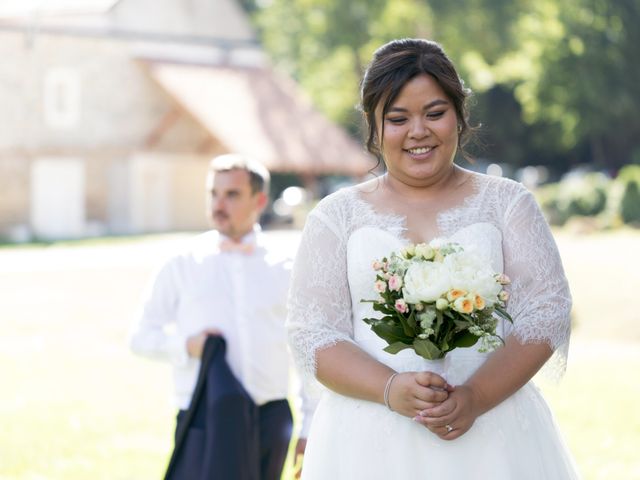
(344, 234)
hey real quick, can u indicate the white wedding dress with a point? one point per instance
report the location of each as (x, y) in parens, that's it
(356, 439)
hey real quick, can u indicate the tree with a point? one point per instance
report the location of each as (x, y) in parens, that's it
(325, 44)
(572, 71)
(556, 83)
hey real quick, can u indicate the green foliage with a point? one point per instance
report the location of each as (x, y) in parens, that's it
(588, 87)
(630, 202)
(630, 205)
(629, 173)
(613, 201)
(325, 44)
(553, 80)
(576, 196)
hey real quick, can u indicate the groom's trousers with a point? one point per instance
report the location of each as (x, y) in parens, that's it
(224, 435)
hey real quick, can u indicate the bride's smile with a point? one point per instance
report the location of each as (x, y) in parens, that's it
(419, 133)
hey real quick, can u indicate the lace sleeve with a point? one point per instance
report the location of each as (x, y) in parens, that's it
(540, 301)
(319, 307)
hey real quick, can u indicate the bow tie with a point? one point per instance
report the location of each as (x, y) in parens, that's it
(234, 247)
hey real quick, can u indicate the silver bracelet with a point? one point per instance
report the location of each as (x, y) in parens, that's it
(387, 388)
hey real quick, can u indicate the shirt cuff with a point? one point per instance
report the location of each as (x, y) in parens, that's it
(177, 349)
(304, 428)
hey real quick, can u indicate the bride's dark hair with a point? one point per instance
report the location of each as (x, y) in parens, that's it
(396, 63)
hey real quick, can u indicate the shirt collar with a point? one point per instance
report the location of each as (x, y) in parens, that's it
(250, 237)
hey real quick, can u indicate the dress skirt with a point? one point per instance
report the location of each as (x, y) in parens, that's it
(356, 439)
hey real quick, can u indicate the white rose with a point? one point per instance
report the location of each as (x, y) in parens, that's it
(471, 272)
(442, 304)
(425, 282)
(409, 251)
(425, 251)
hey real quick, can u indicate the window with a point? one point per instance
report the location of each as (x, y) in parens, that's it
(61, 97)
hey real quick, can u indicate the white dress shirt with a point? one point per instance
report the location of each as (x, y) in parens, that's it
(242, 295)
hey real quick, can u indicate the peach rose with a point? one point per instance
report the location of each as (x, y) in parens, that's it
(463, 305)
(455, 293)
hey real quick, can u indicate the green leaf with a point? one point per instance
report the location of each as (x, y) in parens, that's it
(408, 330)
(370, 321)
(461, 324)
(427, 349)
(503, 313)
(396, 347)
(391, 333)
(438, 324)
(464, 339)
(412, 320)
(383, 308)
(373, 321)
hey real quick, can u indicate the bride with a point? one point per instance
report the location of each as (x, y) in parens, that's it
(476, 415)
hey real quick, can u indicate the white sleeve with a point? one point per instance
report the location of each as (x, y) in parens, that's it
(540, 301)
(319, 306)
(152, 334)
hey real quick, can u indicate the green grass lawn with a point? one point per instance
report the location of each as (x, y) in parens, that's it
(596, 407)
(76, 405)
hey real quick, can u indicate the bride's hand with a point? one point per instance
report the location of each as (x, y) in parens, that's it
(413, 392)
(453, 417)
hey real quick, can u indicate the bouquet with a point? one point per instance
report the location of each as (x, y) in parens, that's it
(436, 297)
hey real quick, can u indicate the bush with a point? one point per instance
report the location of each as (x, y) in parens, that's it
(630, 203)
(627, 188)
(584, 195)
(629, 173)
(548, 197)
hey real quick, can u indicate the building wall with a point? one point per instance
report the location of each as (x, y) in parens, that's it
(204, 18)
(14, 207)
(115, 103)
(167, 192)
(104, 110)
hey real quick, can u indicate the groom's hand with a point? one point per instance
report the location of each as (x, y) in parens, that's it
(413, 392)
(298, 455)
(195, 343)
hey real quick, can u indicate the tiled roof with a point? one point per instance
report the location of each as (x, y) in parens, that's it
(256, 112)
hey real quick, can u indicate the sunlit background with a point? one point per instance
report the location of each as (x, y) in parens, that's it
(111, 109)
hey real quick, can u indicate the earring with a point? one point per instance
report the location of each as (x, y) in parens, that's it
(459, 128)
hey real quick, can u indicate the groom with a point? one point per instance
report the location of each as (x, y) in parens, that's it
(227, 282)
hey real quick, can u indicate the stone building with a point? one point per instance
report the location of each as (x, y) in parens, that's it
(112, 109)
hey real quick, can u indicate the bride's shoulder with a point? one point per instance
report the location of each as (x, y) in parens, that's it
(346, 198)
(336, 205)
(502, 188)
(344, 207)
(501, 196)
